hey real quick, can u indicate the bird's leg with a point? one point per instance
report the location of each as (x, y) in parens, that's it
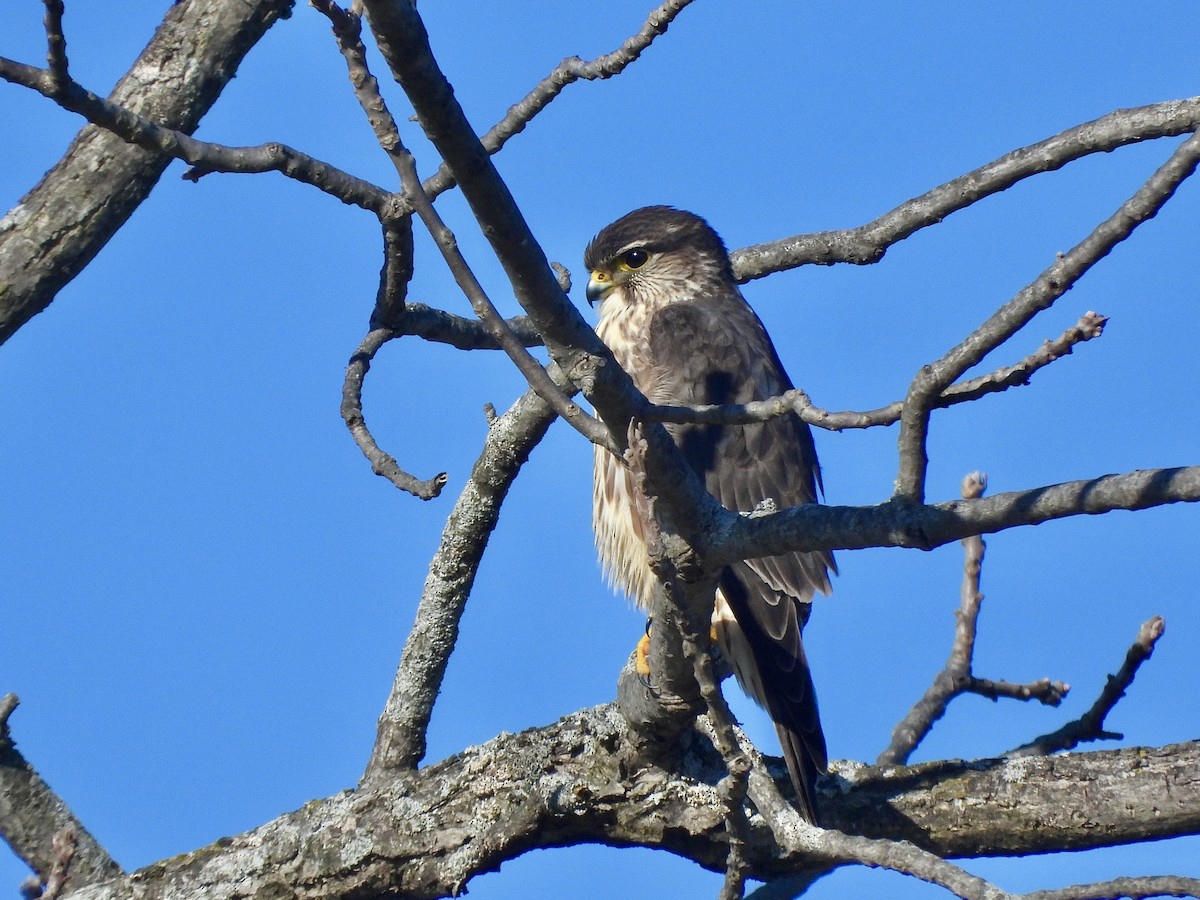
(642, 661)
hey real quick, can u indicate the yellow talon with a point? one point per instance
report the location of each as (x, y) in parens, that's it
(642, 655)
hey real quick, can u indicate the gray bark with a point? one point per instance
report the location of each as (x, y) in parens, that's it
(424, 834)
(59, 226)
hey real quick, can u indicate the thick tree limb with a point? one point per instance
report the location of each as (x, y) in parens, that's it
(426, 833)
(31, 815)
(58, 227)
(935, 377)
(867, 243)
(900, 524)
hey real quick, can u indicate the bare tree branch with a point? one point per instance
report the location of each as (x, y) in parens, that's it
(1132, 888)
(443, 327)
(571, 342)
(867, 243)
(58, 227)
(536, 376)
(830, 847)
(31, 815)
(382, 463)
(899, 524)
(400, 743)
(957, 677)
(426, 833)
(1090, 726)
(934, 378)
(205, 157)
(394, 277)
(1089, 326)
(570, 70)
(56, 42)
(695, 612)
(366, 88)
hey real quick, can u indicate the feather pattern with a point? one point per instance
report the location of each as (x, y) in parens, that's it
(675, 320)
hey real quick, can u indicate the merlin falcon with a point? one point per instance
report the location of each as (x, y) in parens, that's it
(672, 315)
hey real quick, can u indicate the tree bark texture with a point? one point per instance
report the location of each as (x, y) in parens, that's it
(59, 226)
(579, 780)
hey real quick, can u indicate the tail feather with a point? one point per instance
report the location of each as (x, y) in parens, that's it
(761, 639)
(803, 770)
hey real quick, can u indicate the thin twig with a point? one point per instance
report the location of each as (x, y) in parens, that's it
(382, 463)
(934, 378)
(957, 677)
(56, 43)
(1089, 326)
(521, 113)
(347, 31)
(204, 156)
(1090, 726)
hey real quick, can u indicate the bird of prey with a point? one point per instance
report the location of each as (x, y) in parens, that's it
(672, 315)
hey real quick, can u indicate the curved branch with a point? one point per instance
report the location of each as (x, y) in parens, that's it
(382, 463)
(58, 227)
(868, 243)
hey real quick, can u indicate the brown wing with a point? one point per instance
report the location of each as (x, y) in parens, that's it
(715, 350)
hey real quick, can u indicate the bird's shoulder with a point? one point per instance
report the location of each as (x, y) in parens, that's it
(710, 329)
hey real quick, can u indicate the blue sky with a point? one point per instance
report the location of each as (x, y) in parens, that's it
(206, 590)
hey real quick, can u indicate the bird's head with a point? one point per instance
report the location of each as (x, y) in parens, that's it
(655, 254)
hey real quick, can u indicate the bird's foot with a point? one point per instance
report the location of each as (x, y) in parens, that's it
(642, 654)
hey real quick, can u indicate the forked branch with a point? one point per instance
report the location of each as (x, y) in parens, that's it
(933, 379)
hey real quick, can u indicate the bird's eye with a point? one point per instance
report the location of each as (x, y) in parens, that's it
(635, 258)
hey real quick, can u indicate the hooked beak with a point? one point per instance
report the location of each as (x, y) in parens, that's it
(599, 286)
